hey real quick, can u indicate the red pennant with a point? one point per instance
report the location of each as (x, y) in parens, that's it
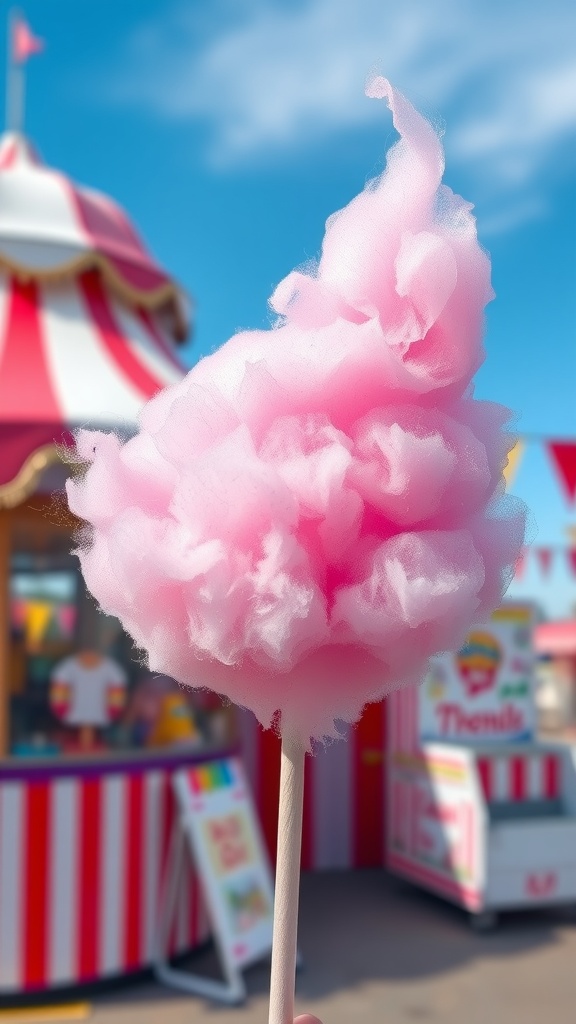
(520, 566)
(544, 556)
(563, 455)
(571, 556)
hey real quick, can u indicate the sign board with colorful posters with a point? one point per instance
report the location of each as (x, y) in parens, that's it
(437, 823)
(219, 824)
(484, 692)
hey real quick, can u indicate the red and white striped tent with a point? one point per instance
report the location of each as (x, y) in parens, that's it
(88, 325)
(88, 320)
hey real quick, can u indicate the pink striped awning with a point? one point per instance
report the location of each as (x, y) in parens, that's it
(72, 354)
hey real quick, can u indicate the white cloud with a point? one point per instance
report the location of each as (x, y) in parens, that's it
(267, 77)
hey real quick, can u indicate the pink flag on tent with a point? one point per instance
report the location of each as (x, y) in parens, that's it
(24, 43)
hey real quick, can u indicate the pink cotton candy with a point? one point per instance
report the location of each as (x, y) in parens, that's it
(318, 508)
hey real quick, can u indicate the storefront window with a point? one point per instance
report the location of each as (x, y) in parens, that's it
(77, 686)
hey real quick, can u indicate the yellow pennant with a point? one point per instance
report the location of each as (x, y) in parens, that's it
(38, 615)
(513, 464)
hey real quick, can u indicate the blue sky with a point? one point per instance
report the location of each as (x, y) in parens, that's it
(231, 129)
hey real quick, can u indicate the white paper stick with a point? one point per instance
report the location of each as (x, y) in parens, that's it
(284, 940)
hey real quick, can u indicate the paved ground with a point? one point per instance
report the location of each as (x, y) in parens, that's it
(379, 951)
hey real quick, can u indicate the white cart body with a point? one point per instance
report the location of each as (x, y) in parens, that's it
(488, 823)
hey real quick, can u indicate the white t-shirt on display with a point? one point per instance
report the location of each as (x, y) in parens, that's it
(89, 688)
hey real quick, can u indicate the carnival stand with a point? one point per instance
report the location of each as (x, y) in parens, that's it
(88, 330)
(480, 812)
(88, 324)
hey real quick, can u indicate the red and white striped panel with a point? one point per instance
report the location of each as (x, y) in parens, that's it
(534, 775)
(74, 354)
(403, 722)
(81, 864)
(344, 793)
(47, 222)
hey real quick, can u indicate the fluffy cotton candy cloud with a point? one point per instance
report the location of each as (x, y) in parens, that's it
(316, 509)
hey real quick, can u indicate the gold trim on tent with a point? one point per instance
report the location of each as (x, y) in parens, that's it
(24, 483)
(167, 294)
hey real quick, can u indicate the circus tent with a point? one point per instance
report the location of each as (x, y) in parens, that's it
(89, 330)
(89, 322)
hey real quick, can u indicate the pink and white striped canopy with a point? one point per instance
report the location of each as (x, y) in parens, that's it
(87, 318)
(73, 354)
(50, 227)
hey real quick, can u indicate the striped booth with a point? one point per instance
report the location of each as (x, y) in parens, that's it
(488, 826)
(520, 777)
(83, 848)
(82, 853)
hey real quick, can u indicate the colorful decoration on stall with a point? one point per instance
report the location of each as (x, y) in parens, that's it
(43, 621)
(208, 777)
(38, 616)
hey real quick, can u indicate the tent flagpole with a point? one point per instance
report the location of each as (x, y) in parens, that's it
(15, 80)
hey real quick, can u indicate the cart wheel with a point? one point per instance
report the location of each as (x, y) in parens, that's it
(486, 921)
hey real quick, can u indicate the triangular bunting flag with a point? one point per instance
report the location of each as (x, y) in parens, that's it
(66, 616)
(520, 566)
(563, 455)
(38, 615)
(571, 556)
(512, 466)
(19, 613)
(544, 556)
